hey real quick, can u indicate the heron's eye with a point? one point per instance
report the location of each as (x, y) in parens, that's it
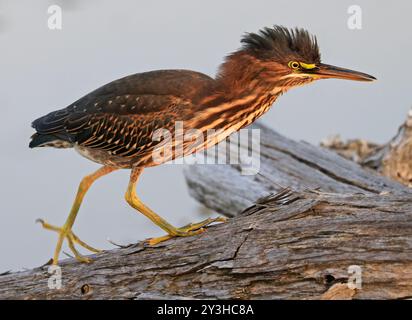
(294, 65)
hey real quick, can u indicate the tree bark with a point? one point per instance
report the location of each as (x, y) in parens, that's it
(297, 227)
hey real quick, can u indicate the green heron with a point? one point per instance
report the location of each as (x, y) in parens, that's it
(114, 124)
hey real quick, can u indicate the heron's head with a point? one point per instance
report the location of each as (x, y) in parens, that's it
(291, 57)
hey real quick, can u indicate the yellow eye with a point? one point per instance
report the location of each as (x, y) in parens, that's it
(294, 65)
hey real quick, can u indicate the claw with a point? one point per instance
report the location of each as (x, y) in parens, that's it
(188, 230)
(66, 233)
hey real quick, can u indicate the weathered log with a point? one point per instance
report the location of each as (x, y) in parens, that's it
(295, 242)
(393, 159)
(283, 163)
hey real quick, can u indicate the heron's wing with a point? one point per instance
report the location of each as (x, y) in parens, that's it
(127, 125)
(122, 115)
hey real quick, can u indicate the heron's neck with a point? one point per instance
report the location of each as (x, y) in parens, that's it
(240, 96)
(239, 75)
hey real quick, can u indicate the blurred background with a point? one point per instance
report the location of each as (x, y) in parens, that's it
(101, 40)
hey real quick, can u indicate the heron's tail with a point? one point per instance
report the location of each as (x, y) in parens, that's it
(49, 140)
(50, 131)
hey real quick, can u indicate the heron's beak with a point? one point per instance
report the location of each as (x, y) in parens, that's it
(326, 71)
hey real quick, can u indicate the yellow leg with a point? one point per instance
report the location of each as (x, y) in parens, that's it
(66, 232)
(136, 203)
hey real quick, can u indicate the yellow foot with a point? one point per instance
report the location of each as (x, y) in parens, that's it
(65, 232)
(186, 231)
